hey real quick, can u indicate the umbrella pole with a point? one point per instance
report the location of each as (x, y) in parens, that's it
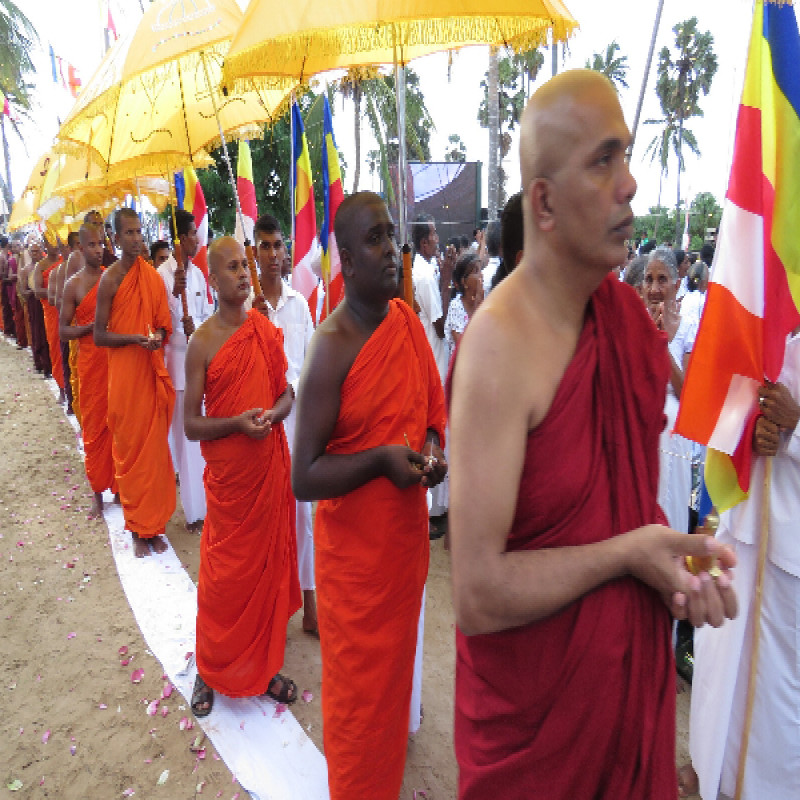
(176, 245)
(400, 101)
(251, 261)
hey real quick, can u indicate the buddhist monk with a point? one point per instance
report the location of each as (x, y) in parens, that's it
(247, 586)
(369, 432)
(70, 254)
(564, 575)
(20, 324)
(25, 286)
(77, 326)
(44, 289)
(132, 319)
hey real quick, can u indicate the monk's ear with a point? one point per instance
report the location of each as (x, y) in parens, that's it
(346, 262)
(542, 196)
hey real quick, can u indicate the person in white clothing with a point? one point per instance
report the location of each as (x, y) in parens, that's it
(177, 278)
(288, 310)
(722, 658)
(675, 452)
(493, 251)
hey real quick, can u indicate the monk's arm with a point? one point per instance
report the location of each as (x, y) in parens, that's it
(198, 427)
(317, 475)
(39, 289)
(52, 286)
(494, 589)
(66, 330)
(61, 281)
(102, 336)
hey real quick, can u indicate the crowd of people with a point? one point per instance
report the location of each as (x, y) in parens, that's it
(552, 468)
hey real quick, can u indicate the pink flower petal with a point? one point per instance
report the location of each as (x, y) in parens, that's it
(279, 709)
(102, 706)
(71, 635)
(73, 750)
(128, 793)
(123, 650)
(46, 736)
(307, 696)
(167, 690)
(164, 711)
(137, 675)
(125, 662)
(152, 708)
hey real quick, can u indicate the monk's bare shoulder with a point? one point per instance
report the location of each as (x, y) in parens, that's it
(111, 279)
(335, 345)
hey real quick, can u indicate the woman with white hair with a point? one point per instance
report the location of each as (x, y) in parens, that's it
(675, 453)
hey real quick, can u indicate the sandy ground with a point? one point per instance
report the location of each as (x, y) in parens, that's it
(74, 726)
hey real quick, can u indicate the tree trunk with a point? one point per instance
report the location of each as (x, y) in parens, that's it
(7, 192)
(680, 162)
(658, 206)
(493, 96)
(357, 133)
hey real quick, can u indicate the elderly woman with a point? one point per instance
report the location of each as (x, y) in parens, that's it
(675, 479)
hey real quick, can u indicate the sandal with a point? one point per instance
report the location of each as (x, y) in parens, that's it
(202, 694)
(288, 693)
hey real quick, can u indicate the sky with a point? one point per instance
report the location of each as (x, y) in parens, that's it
(75, 31)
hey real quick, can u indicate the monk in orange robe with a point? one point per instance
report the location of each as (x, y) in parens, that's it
(132, 319)
(44, 291)
(370, 428)
(76, 326)
(248, 586)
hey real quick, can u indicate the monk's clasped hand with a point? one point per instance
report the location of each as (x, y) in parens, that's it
(435, 466)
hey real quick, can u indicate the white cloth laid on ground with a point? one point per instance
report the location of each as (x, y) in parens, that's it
(722, 656)
(293, 317)
(675, 452)
(188, 458)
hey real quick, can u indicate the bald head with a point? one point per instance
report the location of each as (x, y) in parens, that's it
(348, 213)
(555, 117)
(221, 252)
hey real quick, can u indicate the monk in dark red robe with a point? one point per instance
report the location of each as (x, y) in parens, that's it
(370, 427)
(248, 586)
(132, 319)
(51, 327)
(564, 575)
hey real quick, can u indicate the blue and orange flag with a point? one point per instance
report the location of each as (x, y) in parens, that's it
(754, 292)
(333, 194)
(305, 215)
(191, 198)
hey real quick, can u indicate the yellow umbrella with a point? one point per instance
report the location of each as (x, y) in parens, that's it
(154, 105)
(278, 43)
(23, 213)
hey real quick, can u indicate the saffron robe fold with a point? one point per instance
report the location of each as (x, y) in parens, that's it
(582, 704)
(73, 378)
(372, 551)
(92, 372)
(140, 402)
(247, 586)
(51, 329)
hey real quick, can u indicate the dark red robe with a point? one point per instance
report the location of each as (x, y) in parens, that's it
(582, 704)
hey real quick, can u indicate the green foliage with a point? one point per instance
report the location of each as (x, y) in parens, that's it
(614, 67)
(517, 73)
(456, 150)
(705, 212)
(657, 224)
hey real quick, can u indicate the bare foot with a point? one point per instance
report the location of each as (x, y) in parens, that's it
(159, 544)
(97, 506)
(688, 784)
(140, 546)
(195, 527)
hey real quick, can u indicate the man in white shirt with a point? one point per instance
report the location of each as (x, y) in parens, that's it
(723, 657)
(177, 278)
(493, 251)
(288, 310)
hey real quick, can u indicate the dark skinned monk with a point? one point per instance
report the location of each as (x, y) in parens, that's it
(369, 432)
(78, 306)
(132, 320)
(247, 586)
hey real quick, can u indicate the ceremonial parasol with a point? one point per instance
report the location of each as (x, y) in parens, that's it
(154, 104)
(280, 44)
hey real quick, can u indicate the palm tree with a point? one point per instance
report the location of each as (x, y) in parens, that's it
(672, 136)
(493, 114)
(614, 67)
(682, 79)
(17, 39)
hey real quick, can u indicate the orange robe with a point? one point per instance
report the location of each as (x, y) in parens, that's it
(372, 551)
(140, 403)
(92, 372)
(248, 586)
(74, 380)
(51, 327)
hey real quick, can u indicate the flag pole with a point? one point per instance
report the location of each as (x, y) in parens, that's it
(646, 74)
(756, 627)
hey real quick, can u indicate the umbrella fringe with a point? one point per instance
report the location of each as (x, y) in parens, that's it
(519, 33)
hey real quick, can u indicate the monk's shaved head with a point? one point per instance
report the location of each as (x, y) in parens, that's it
(552, 120)
(347, 214)
(222, 250)
(90, 229)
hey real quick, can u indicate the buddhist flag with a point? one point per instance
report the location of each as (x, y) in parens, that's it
(191, 199)
(74, 80)
(332, 199)
(305, 216)
(247, 194)
(754, 292)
